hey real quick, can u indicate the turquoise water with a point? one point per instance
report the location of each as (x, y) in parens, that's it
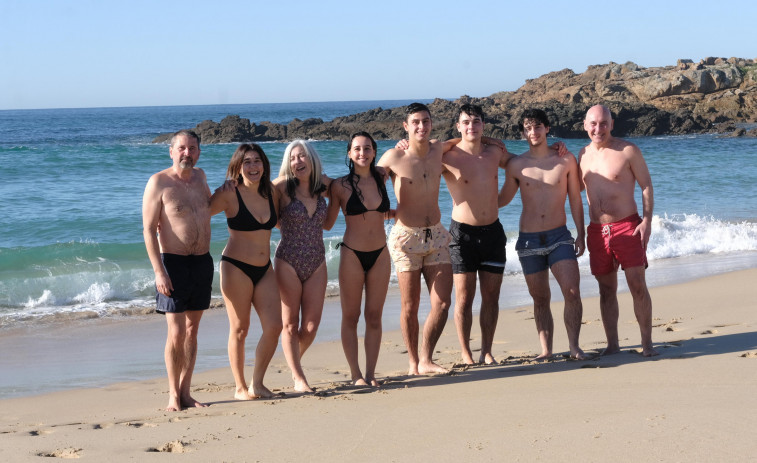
(72, 183)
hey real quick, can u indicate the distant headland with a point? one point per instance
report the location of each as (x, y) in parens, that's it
(714, 95)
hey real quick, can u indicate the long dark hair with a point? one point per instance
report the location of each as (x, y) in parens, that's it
(350, 178)
(234, 171)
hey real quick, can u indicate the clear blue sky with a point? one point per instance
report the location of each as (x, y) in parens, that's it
(82, 53)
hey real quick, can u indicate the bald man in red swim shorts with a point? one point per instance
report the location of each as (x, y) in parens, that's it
(617, 236)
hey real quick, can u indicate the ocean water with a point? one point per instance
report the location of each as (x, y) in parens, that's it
(72, 181)
(73, 264)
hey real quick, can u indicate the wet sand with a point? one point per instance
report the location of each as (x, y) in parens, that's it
(694, 402)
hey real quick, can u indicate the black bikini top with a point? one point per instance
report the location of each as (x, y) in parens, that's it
(244, 221)
(356, 207)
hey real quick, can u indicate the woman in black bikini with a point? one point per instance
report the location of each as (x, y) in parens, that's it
(247, 277)
(364, 260)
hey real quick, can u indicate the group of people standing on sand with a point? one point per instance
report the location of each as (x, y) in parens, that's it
(288, 296)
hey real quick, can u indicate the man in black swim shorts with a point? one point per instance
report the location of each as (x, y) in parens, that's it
(176, 203)
(478, 239)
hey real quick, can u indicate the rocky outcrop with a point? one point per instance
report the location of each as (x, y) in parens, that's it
(686, 98)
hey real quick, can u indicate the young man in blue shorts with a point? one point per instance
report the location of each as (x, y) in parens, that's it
(545, 180)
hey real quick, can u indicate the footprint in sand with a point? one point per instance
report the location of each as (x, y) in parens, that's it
(176, 446)
(139, 425)
(749, 355)
(40, 432)
(69, 452)
(102, 426)
(712, 331)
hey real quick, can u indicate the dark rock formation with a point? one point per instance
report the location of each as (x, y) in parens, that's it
(686, 98)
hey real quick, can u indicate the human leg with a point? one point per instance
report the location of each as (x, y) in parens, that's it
(190, 352)
(290, 290)
(410, 296)
(642, 307)
(465, 291)
(439, 282)
(313, 297)
(351, 281)
(568, 277)
(267, 303)
(237, 290)
(489, 285)
(538, 288)
(175, 358)
(376, 285)
(608, 307)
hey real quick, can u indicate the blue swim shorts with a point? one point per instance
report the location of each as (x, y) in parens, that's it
(539, 251)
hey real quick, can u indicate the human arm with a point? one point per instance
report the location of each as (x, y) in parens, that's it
(152, 206)
(386, 160)
(335, 203)
(219, 201)
(507, 193)
(382, 172)
(326, 180)
(227, 186)
(580, 172)
(641, 174)
(278, 185)
(495, 142)
(449, 144)
(562, 148)
(576, 204)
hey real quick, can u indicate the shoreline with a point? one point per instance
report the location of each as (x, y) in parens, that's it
(98, 352)
(692, 400)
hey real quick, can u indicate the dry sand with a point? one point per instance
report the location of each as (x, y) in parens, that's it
(697, 401)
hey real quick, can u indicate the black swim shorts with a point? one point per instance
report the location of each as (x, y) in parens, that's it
(192, 280)
(476, 248)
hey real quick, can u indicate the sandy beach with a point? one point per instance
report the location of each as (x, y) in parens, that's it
(694, 402)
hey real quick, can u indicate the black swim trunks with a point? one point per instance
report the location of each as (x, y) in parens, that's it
(476, 248)
(192, 280)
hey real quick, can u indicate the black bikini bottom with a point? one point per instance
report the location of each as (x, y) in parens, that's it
(253, 272)
(366, 258)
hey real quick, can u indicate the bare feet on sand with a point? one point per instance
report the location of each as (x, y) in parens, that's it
(185, 402)
(189, 402)
(359, 382)
(301, 385)
(468, 358)
(610, 350)
(578, 354)
(242, 394)
(260, 392)
(649, 351)
(544, 356)
(487, 359)
(173, 404)
(430, 368)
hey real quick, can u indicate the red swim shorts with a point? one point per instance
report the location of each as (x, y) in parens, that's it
(611, 244)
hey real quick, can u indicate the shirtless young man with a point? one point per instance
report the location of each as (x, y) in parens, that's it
(610, 169)
(418, 241)
(176, 221)
(545, 179)
(478, 239)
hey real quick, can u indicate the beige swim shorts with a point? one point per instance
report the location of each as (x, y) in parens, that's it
(413, 248)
